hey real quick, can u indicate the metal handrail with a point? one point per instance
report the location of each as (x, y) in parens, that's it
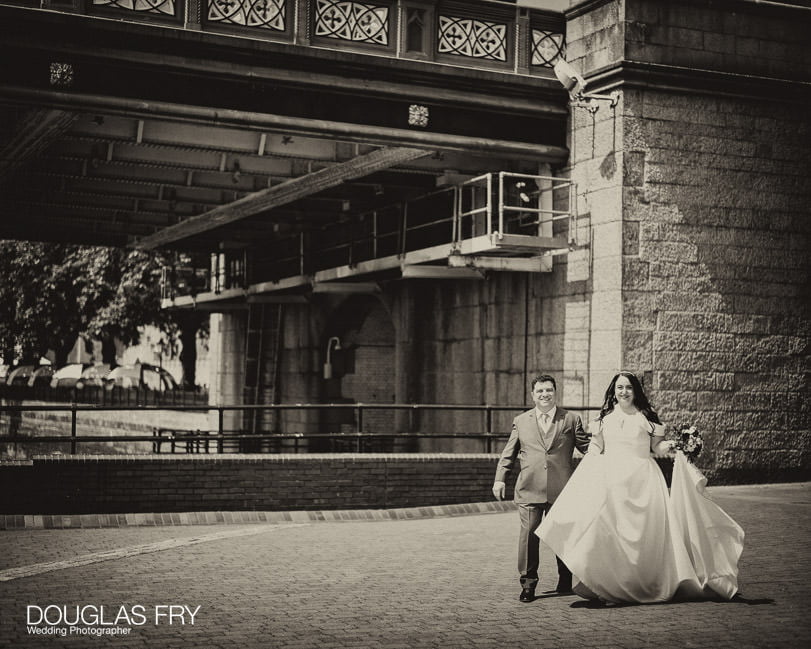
(221, 435)
(488, 200)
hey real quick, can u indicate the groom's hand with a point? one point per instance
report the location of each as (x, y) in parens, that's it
(498, 490)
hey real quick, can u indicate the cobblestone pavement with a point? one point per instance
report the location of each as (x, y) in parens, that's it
(445, 582)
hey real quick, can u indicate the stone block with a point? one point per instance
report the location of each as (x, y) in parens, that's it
(598, 381)
(553, 314)
(638, 303)
(574, 30)
(637, 349)
(750, 305)
(577, 267)
(607, 310)
(576, 340)
(573, 390)
(676, 400)
(577, 316)
(607, 274)
(665, 212)
(688, 283)
(747, 46)
(684, 301)
(606, 351)
(640, 322)
(635, 274)
(675, 380)
(547, 352)
(781, 345)
(719, 42)
(607, 240)
(676, 341)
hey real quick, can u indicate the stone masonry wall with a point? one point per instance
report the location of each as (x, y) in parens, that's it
(736, 37)
(719, 274)
(704, 241)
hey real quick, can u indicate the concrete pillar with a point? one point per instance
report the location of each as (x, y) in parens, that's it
(227, 352)
(594, 40)
(406, 370)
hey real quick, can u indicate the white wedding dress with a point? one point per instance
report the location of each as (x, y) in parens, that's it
(626, 539)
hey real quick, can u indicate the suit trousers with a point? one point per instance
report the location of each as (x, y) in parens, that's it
(529, 544)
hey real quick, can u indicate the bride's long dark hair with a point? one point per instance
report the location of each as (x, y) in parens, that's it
(640, 399)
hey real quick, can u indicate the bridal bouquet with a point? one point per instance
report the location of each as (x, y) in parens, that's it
(689, 441)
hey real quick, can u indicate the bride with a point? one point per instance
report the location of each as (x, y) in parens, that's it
(619, 530)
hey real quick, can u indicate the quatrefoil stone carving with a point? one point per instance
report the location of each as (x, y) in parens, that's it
(418, 115)
(61, 74)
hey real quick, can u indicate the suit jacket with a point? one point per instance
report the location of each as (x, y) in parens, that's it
(544, 462)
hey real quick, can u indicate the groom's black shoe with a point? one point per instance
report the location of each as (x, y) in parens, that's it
(527, 595)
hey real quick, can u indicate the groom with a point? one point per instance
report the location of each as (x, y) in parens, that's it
(543, 441)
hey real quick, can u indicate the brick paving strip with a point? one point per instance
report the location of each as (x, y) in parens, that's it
(87, 521)
(147, 548)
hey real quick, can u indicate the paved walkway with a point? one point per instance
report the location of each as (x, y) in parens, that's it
(421, 580)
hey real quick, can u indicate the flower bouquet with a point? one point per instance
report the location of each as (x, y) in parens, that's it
(689, 441)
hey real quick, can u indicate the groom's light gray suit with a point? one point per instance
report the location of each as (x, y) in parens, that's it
(545, 463)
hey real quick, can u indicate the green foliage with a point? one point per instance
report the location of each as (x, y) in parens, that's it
(52, 293)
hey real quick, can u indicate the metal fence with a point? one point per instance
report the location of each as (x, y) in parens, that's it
(221, 439)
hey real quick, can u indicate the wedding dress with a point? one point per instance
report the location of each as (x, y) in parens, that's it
(626, 539)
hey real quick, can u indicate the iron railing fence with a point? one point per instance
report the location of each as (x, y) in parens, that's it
(225, 440)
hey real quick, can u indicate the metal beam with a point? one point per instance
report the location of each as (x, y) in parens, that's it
(440, 272)
(514, 264)
(516, 243)
(277, 299)
(282, 194)
(345, 131)
(346, 287)
(35, 131)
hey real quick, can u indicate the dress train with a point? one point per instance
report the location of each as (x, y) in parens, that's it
(626, 539)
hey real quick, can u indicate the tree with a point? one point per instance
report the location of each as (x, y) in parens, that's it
(37, 298)
(120, 293)
(52, 293)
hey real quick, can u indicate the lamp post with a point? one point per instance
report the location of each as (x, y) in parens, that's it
(333, 343)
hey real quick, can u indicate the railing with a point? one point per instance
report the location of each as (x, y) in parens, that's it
(513, 203)
(491, 204)
(224, 440)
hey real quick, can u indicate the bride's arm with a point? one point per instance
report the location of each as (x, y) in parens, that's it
(597, 443)
(660, 446)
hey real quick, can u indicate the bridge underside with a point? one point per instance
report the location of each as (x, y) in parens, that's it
(117, 134)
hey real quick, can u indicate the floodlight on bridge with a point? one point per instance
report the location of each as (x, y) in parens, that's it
(575, 85)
